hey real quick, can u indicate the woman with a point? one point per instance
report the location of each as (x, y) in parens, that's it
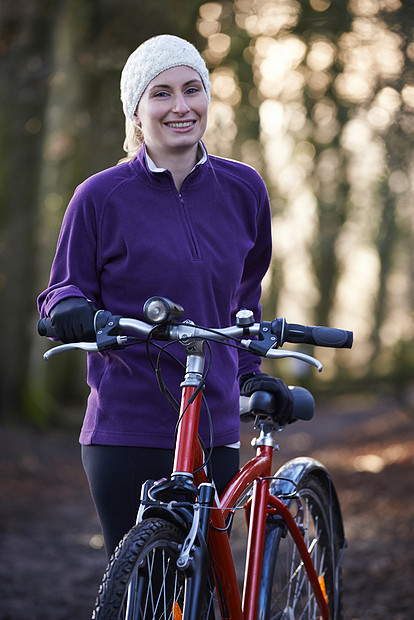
(171, 220)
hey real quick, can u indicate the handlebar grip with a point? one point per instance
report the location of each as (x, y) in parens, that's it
(319, 336)
(332, 337)
(45, 328)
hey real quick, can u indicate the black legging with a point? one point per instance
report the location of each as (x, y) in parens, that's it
(116, 474)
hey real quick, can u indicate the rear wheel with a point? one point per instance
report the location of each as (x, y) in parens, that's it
(142, 580)
(285, 592)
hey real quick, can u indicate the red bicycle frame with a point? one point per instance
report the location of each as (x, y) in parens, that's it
(257, 471)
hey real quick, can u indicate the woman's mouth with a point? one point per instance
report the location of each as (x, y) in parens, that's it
(180, 124)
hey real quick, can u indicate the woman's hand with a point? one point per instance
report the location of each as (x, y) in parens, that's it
(73, 320)
(284, 399)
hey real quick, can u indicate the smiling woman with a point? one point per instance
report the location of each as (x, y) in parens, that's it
(146, 63)
(171, 220)
(172, 114)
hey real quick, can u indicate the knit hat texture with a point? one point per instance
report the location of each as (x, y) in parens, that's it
(152, 58)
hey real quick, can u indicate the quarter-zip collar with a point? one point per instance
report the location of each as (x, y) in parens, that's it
(161, 177)
(202, 154)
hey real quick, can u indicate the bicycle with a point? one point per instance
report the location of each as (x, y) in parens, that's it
(176, 562)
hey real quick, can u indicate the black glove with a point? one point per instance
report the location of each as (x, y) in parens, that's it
(284, 399)
(72, 320)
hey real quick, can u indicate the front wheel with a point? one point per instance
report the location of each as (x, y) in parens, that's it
(142, 580)
(285, 592)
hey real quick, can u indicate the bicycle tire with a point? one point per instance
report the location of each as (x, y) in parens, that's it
(285, 592)
(154, 542)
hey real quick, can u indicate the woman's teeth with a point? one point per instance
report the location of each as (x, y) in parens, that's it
(180, 125)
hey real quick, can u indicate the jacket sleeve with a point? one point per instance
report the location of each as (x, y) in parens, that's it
(74, 268)
(256, 265)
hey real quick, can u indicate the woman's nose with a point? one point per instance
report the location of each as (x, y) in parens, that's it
(180, 106)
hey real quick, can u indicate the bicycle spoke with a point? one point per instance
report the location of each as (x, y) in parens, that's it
(287, 591)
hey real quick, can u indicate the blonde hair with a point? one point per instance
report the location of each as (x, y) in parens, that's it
(134, 139)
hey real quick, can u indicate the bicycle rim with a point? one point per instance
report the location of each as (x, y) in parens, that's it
(286, 593)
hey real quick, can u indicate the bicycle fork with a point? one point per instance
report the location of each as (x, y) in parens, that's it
(194, 557)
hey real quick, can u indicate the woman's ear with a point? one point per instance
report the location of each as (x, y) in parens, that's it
(136, 120)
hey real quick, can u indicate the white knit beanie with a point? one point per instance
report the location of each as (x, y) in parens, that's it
(150, 59)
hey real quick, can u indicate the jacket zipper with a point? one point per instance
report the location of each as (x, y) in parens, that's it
(195, 250)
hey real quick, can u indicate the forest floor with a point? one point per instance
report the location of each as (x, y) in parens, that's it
(51, 551)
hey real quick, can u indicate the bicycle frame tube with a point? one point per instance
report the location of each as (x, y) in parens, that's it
(253, 471)
(189, 457)
(281, 509)
(187, 438)
(256, 536)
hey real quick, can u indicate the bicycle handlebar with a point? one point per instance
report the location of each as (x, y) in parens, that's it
(306, 334)
(270, 336)
(45, 328)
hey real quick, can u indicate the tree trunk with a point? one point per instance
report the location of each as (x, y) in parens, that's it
(26, 30)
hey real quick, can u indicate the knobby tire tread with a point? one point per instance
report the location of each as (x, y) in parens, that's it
(115, 580)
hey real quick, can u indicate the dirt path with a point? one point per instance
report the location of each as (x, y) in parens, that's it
(51, 559)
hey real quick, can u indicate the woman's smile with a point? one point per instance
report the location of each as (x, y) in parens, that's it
(180, 124)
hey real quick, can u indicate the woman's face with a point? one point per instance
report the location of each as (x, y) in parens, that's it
(172, 111)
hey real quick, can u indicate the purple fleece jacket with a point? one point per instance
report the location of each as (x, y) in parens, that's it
(127, 235)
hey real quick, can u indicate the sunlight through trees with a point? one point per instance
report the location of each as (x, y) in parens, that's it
(331, 97)
(317, 95)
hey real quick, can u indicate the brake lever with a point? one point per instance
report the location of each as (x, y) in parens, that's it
(62, 348)
(106, 327)
(259, 347)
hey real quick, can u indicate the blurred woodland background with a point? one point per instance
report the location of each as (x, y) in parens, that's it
(317, 95)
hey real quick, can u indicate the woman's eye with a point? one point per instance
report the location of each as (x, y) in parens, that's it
(192, 90)
(162, 93)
